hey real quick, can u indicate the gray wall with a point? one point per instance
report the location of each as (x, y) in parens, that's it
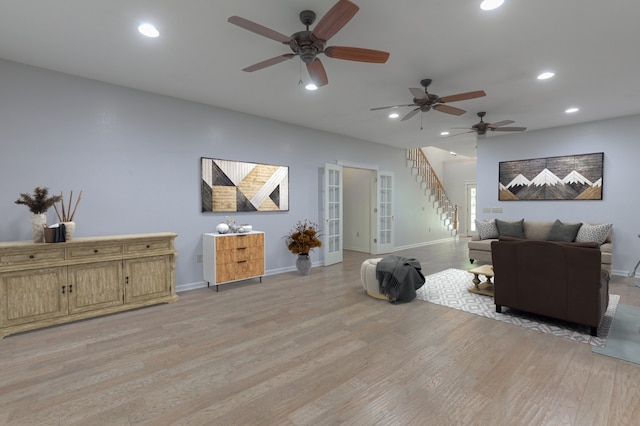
(136, 156)
(617, 138)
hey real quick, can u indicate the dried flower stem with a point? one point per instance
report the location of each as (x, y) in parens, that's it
(68, 214)
(75, 207)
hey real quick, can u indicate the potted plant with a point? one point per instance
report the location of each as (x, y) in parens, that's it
(301, 240)
(38, 204)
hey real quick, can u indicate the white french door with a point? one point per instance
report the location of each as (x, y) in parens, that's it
(332, 240)
(471, 202)
(384, 233)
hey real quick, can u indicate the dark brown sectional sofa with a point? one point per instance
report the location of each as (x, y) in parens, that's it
(565, 281)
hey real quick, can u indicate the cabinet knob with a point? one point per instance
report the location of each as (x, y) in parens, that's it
(95, 251)
(148, 246)
(63, 288)
(31, 256)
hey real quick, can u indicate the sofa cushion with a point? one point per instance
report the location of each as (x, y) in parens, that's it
(536, 230)
(487, 230)
(595, 233)
(510, 229)
(563, 232)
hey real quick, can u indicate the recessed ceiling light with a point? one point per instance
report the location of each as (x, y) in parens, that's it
(445, 133)
(545, 75)
(491, 4)
(394, 115)
(455, 154)
(311, 86)
(571, 110)
(148, 30)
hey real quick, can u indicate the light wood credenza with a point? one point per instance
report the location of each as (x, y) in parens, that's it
(233, 257)
(45, 284)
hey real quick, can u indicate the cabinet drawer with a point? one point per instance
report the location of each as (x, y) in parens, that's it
(239, 241)
(93, 250)
(147, 246)
(239, 254)
(32, 256)
(239, 270)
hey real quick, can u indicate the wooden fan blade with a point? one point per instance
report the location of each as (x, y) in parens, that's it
(392, 106)
(509, 129)
(317, 73)
(418, 93)
(458, 134)
(336, 18)
(357, 54)
(269, 62)
(259, 29)
(463, 96)
(500, 124)
(449, 109)
(411, 114)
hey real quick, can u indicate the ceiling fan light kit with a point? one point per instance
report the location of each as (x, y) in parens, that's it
(309, 44)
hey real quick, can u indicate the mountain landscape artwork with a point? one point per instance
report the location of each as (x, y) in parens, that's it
(573, 177)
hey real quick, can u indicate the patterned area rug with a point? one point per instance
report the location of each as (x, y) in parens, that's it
(451, 288)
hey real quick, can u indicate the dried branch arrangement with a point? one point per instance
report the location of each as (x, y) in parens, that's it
(67, 214)
(40, 201)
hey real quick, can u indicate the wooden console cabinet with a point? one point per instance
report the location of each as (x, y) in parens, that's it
(233, 257)
(47, 284)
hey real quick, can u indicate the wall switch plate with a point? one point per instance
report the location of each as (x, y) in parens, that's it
(486, 210)
(496, 210)
(199, 258)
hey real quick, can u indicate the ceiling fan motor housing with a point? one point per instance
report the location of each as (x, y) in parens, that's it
(305, 44)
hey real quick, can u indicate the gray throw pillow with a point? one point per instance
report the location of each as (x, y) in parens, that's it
(563, 232)
(594, 233)
(487, 230)
(510, 229)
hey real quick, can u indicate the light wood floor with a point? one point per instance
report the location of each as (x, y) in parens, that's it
(312, 350)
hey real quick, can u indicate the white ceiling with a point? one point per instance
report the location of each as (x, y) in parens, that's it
(591, 45)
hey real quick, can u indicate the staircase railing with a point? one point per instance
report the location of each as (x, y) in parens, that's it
(431, 183)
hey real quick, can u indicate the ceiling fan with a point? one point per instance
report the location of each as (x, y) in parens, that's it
(426, 101)
(308, 44)
(482, 127)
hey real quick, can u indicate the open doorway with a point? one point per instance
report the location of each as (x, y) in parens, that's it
(359, 215)
(369, 207)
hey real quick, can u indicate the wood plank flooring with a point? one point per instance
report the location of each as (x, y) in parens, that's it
(312, 350)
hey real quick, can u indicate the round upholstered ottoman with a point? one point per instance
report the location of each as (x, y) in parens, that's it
(369, 279)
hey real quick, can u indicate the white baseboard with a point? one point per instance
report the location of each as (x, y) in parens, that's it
(427, 243)
(203, 284)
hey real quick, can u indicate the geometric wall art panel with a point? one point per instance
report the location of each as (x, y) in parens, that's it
(235, 186)
(572, 177)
